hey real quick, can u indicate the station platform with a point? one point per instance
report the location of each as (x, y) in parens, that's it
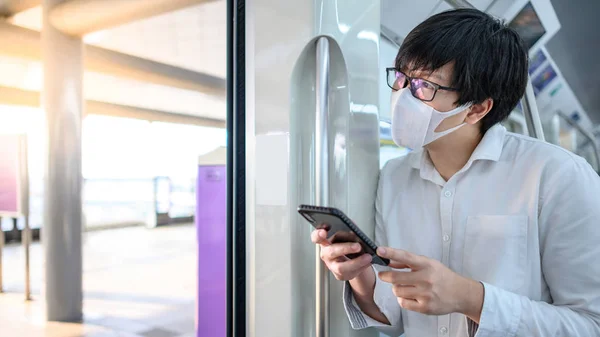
(137, 282)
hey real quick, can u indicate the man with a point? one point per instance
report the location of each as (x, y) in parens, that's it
(489, 233)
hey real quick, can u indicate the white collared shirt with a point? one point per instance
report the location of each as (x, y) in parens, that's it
(522, 217)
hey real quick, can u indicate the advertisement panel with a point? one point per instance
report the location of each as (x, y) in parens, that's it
(10, 176)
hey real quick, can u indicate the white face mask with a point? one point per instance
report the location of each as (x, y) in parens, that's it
(414, 122)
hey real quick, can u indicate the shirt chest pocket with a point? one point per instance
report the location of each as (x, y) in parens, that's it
(495, 250)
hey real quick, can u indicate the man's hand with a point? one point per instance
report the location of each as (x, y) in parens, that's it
(334, 257)
(429, 287)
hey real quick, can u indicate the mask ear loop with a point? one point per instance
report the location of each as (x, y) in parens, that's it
(436, 135)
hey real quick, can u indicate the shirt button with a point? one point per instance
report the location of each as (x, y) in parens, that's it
(443, 330)
(448, 194)
(446, 237)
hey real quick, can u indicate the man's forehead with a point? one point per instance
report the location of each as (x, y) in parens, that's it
(437, 74)
(443, 73)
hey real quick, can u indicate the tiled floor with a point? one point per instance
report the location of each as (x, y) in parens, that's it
(137, 283)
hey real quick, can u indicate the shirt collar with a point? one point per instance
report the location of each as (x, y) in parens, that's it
(489, 148)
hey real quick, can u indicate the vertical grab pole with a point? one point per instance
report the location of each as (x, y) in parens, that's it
(322, 178)
(26, 234)
(531, 113)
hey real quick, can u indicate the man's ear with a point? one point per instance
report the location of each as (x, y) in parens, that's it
(478, 111)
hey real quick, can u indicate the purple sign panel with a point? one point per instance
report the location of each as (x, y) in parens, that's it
(211, 226)
(9, 174)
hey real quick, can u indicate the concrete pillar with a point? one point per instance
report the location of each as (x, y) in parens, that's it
(62, 101)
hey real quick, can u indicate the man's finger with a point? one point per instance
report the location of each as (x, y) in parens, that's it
(401, 257)
(406, 292)
(319, 236)
(355, 264)
(398, 265)
(400, 277)
(340, 249)
(409, 304)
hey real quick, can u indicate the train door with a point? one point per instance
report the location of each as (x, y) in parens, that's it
(307, 108)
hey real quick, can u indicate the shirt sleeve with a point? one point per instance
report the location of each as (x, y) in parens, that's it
(569, 219)
(387, 303)
(383, 296)
(471, 327)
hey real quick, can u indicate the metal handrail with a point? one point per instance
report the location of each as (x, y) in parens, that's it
(586, 133)
(389, 35)
(519, 120)
(595, 133)
(460, 4)
(531, 113)
(322, 178)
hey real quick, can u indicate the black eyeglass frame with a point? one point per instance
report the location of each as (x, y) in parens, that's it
(410, 79)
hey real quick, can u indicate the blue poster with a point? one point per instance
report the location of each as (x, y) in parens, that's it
(541, 81)
(536, 61)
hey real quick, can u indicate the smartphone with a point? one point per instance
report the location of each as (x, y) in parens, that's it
(341, 229)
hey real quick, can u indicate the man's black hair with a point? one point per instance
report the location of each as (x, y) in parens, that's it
(490, 60)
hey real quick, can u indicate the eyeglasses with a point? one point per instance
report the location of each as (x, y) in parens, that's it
(420, 88)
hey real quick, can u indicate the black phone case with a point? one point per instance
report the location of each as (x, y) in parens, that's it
(308, 210)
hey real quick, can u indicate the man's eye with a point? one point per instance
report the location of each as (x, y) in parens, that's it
(427, 85)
